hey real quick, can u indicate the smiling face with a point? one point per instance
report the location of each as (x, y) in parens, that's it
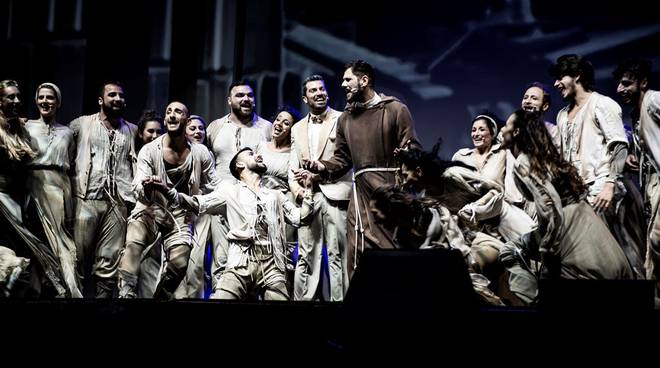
(481, 135)
(10, 101)
(176, 115)
(567, 87)
(113, 102)
(151, 131)
(282, 127)
(316, 97)
(533, 100)
(47, 102)
(241, 101)
(195, 131)
(630, 89)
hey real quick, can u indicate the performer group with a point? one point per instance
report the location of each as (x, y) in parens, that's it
(103, 208)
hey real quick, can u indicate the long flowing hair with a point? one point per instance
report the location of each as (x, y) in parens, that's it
(534, 140)
(433, 169)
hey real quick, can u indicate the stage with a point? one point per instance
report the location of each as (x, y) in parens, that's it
(329, 331)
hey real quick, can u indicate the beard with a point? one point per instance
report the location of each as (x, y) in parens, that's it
(259, 168)
(238, 111)
(110, 112)
(355, 95)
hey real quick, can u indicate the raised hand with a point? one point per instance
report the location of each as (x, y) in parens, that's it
(313, 166)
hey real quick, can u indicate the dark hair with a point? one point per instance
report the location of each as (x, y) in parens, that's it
(101, 90)
(405, 211)
(534, 140)
(147, 116)
(395, 204)
(360, 68)
(637, 68)
(433, 169)
(311, 78)
(232, 164)
(493, 121)
(240, 82)
(291, 110)
(544, 88)
(574, 66)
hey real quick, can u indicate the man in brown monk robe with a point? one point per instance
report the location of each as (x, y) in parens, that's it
(370, 129)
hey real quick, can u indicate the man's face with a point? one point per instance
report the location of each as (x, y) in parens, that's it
(176, 115)
(508, 132)
(113, 103)
(47, 102)
(629, 89)
(10, 101)
(241, 101)
(533, 100)
(567, 87)
(353, 86)
(252, 161)
(316, 97)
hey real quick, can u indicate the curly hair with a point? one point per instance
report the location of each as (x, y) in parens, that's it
(534, 140)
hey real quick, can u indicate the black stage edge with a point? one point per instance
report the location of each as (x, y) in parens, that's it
(401, 304)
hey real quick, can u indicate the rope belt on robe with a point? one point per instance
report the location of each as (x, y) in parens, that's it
(358, 217)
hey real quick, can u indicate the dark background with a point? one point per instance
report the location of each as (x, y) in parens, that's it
(447, 60)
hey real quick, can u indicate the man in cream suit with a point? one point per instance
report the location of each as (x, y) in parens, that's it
(313, 138)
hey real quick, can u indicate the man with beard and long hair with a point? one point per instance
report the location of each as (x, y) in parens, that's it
(257, 234)
(242, 127)
(186, 166)
(571, 241)
(593, 139)
(104, 169)
(370, 129)
(633, 77)
(313, 137)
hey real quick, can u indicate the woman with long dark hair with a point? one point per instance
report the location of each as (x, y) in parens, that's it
(477, 200)
(571, 241)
